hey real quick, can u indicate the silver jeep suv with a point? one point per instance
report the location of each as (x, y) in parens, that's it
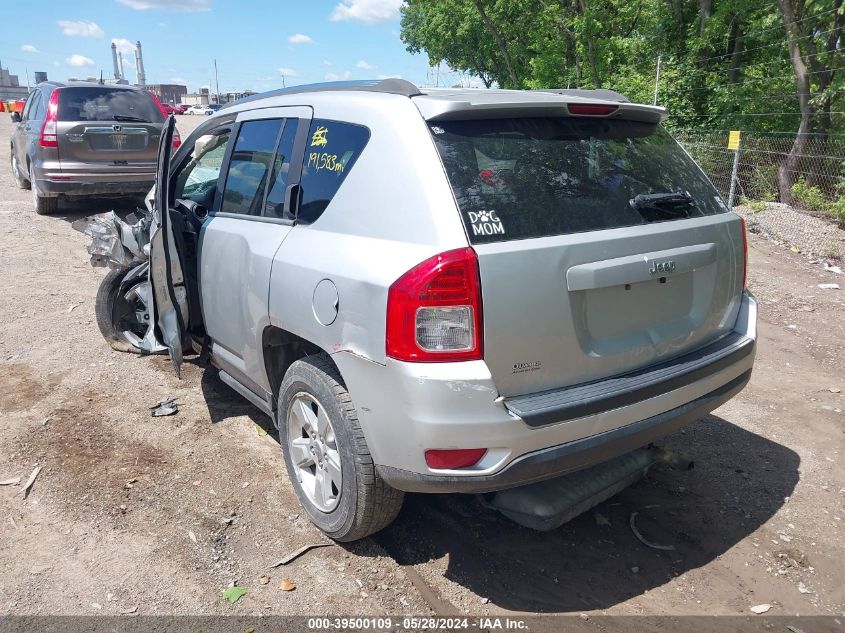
(439, 290)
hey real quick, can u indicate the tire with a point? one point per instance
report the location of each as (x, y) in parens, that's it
(20, 181)
(110, 306)
(365, 503)
(43, 206)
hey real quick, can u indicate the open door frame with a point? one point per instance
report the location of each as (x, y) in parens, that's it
(166, 274)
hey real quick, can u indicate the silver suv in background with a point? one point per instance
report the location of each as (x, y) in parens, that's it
(85, 139)
(439, 290)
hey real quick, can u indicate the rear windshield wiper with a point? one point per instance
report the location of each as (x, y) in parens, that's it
(664, 206)
(133, 119)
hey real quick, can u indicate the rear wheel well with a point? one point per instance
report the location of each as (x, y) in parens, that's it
(281, 350)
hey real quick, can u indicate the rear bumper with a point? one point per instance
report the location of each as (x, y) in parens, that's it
(58, 182)
(561, 405)
(406, 408)
(572, 456)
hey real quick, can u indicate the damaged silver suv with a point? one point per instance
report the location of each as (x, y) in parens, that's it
(439, 290)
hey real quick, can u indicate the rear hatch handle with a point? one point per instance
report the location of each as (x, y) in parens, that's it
(638, 268)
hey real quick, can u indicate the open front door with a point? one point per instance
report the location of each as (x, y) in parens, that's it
(166, 274)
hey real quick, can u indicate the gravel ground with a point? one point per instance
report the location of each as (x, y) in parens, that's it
(159, 515)
(782, 224)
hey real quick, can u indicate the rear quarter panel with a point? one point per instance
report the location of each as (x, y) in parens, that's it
(394, 209)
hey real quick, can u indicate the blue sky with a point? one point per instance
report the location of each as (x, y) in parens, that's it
(255, 43)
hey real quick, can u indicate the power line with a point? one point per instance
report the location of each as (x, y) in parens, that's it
(741, 68)
(756, 79)
(784, 42)
(781, 26)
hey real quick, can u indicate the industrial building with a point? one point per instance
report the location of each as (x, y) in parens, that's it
(168, 93)
(10, 88)
(198, 98)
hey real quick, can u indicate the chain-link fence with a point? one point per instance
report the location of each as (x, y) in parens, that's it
(816, 180)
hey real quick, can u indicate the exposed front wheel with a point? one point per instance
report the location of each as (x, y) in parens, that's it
(123, 311)
(326, 455)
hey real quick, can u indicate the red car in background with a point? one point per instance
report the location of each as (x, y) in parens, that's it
(166, 108)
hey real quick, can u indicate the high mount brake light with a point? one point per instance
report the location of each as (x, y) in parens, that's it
(591, 109)
(434, 311)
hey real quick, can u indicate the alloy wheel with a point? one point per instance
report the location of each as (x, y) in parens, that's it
(132, 316)
(314, 452)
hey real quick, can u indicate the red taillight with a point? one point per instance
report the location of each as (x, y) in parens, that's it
(159, 105)
(451, 459)
(434, 310)
(49, 129)
(591, 109)
(744, 251)
(177, 140)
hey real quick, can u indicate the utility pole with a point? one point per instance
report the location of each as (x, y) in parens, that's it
(656, 80)
(216, 82)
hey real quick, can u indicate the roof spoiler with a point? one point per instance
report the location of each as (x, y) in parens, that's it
(599, 93)
(465, 110)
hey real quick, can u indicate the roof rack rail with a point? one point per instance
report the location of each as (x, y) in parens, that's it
(598, 93)
(392, 86)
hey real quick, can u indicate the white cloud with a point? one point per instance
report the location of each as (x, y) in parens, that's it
(29, 48)
(327, 62)
(178, 80)
(288, 72)
(369, 11)
(124, 46)
(388, 76)
(80, 28)
(364, 64)
(336, 77)
(178, 5)
(300, 38)
(79, 60)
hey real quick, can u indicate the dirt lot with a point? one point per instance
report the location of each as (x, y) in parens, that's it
(158, 515)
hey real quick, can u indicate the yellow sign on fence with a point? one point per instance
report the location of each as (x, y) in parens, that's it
(733, 139)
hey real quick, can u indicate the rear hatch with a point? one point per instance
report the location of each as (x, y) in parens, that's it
(602, 247)
(107, 129)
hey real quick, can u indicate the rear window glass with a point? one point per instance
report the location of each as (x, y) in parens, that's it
(107, 104)
(533, 177)
(330, 152)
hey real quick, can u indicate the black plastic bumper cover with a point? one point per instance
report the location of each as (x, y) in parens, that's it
(572, 456)
(579, 401)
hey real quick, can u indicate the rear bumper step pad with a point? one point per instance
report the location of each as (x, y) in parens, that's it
(570, 403)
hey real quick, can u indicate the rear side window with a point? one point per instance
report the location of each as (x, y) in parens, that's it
(38, 109)
(77, 103)
(275, 205)
(330, 153)
(251, 159)
(534, 177)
